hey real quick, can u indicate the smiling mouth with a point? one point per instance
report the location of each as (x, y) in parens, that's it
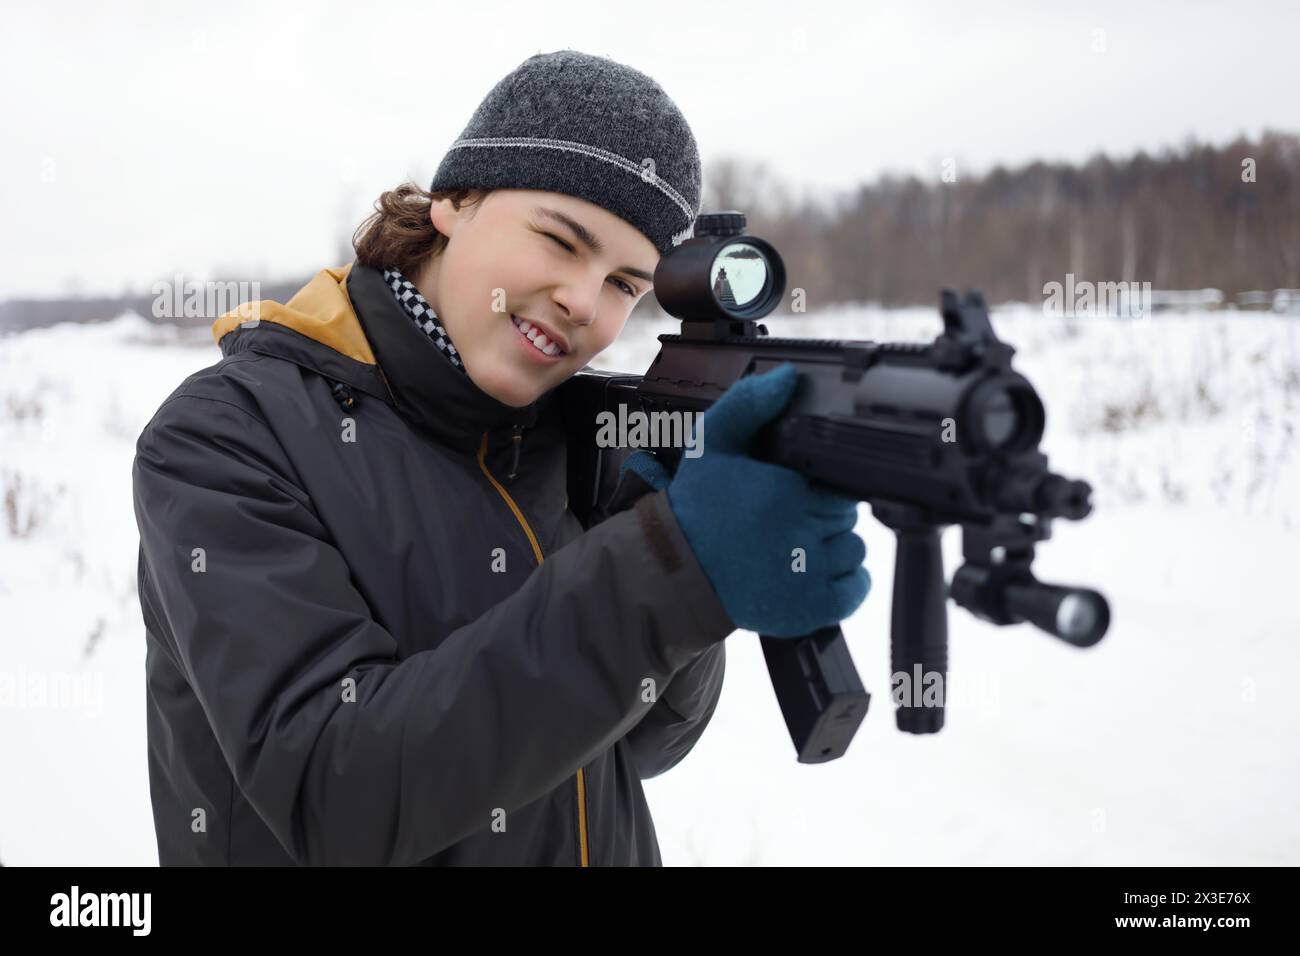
(537, 338)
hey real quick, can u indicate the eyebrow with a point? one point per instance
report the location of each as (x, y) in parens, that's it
(589, 240)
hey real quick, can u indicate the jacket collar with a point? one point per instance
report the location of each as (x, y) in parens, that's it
(347, 325)
(427, 389)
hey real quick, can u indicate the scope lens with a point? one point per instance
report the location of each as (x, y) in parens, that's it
(739, 275)
(1000, 418)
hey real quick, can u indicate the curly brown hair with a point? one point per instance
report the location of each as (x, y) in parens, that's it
(399, 234)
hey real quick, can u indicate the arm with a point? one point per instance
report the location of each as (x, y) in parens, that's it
(678, 718)
(686, 704)
(502, 711)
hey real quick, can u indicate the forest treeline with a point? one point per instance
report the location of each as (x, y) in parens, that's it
(1191, 217)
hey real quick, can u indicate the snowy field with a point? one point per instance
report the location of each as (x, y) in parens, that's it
(1175, 741)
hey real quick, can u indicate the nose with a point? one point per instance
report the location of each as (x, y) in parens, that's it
(578, 300)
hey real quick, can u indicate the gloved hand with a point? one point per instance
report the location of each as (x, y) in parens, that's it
(744, 518)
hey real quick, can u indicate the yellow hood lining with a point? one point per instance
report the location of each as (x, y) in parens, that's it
(320, 310)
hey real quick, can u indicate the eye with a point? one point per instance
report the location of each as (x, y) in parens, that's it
(628, 289)
(559, 240)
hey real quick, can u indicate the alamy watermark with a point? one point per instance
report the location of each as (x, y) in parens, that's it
(639, 429)
(196, 299)
(1072, 298)
(54, 690)
(920, 688)
(76, 908)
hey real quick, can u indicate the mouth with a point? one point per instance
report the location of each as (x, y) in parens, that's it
(537, 341)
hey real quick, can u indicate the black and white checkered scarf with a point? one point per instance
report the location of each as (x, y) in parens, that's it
(408, 296)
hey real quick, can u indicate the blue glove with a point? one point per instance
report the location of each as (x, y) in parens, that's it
(650, 469)
(744, 518)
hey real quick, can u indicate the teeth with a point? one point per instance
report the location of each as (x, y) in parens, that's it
(539, 340)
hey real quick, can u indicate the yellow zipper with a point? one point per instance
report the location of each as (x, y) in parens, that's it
(537, 553)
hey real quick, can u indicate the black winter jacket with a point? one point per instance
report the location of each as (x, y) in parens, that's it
(367, 643)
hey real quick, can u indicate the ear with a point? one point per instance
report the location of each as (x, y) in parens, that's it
(444, 216)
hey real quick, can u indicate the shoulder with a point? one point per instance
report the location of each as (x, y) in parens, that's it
(224, 383)
(240, 383)
(225, 399)
(211, 432)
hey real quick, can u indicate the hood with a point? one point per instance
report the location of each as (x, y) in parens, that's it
(347, 325)
(319, 310)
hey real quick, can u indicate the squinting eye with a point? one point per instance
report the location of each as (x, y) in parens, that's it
(631, 292)
(560, 241)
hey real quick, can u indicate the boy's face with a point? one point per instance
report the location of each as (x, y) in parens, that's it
(501, 266)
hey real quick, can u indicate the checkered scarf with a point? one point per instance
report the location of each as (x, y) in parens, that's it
(409, 298)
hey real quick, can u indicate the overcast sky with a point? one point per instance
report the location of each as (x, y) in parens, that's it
(145, 139)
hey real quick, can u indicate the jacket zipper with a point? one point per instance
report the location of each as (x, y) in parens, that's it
(518, 439)
(581, 780)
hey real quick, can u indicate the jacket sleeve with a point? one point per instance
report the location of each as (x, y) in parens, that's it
(269, 630)
(677, 720)
(683, 709)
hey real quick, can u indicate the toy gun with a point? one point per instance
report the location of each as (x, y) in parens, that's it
(928, 435)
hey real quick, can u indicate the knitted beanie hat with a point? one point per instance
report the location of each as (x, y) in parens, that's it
(589, 127)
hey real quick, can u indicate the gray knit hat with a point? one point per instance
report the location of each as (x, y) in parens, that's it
(589, 127)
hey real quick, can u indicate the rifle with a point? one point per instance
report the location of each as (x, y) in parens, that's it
(928, 435)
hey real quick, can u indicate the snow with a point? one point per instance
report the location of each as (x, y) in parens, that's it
(1173, 742)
